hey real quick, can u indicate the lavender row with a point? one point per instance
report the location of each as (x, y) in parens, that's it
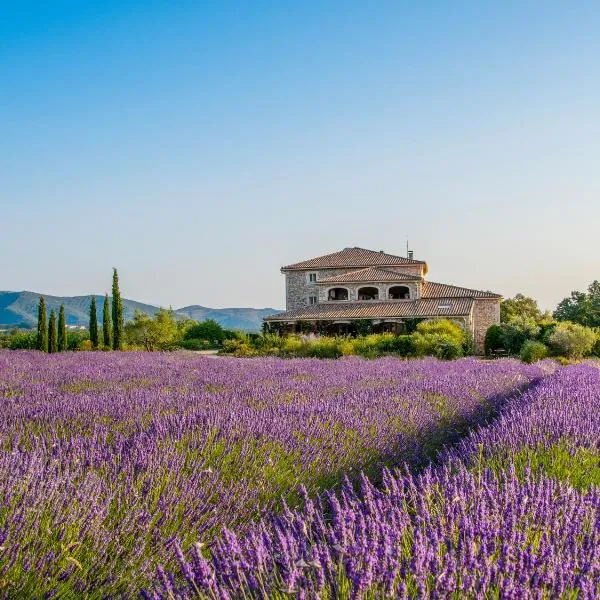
(444, 534)
(560, 410)
(107, 459)
(458, 530)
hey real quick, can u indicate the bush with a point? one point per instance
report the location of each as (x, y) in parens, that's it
(443, 327)
(195, 344)
(237, 347)
(369, 346)
(572, 340)
(23, 340)
(532, 351)
(208, 330)
(402, 345)
(325, 348)
(494, 339)
(436, 344)
(517, 331)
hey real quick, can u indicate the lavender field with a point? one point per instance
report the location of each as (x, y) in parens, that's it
(178, 476)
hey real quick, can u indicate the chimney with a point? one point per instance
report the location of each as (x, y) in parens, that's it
(410, 254)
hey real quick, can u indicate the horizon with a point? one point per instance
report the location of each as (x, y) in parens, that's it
(202, 147)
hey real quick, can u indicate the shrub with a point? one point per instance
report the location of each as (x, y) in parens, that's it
(402, 345)
(494, 339)
(436, 344)
(293, 345)
(325, 348)
(443, 327)
(572, 340)
(369, 346)
(532, 351)
(237, 347)
(517, 331)
(596, 348)
(194, 344)
(347, 347)
(22, 340)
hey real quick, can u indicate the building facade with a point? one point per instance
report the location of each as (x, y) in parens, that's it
(329, 293)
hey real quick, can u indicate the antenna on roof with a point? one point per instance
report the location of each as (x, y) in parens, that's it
(409, 253)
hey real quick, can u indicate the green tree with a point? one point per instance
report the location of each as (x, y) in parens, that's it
(42, 326)
(62, 329)
(117, 313)
(572, 340)
(517, 331)
(52, 333)
(494, 339)
(208, 330)
(520, 306)
(158, 333)
(93, 323)
(581, 307)
(106, 328)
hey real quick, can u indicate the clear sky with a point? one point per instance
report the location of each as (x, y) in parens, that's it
(199, 146)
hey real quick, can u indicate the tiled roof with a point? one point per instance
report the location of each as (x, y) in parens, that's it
(353, 257)
(370, 275)
(442, 290)
(431, 307)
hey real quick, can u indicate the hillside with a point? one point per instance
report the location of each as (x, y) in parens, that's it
(19, 309)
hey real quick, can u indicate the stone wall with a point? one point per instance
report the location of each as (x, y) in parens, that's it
(413, 287)
(485, 314)
(298, 288)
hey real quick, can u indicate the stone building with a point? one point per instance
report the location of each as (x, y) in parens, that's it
(331, 293)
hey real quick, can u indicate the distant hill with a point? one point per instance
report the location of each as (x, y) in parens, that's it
(19, 309)
(247, 319)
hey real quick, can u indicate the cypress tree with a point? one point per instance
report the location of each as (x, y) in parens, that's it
(42, 327)
(93, 323)
(52, 336)
(106, 328)
(117, 313)
(62, 329)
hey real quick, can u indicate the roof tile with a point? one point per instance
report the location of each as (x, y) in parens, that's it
(353, 257)
(370, 275)
(431, 307)
(432, 289)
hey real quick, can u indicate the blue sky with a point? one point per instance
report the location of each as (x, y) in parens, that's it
(198, 146)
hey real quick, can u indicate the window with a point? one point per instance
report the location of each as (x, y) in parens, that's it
(312, 300)
(368, 293)
(337, 294)
(399, 292)
(312, 278)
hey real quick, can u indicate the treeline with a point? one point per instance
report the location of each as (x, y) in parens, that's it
(163, 331)
(572, 331)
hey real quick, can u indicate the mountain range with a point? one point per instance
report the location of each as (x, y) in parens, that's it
(19, 309)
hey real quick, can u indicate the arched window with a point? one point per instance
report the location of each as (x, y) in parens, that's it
(368, 293)
(337, 294)
(398, 292)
